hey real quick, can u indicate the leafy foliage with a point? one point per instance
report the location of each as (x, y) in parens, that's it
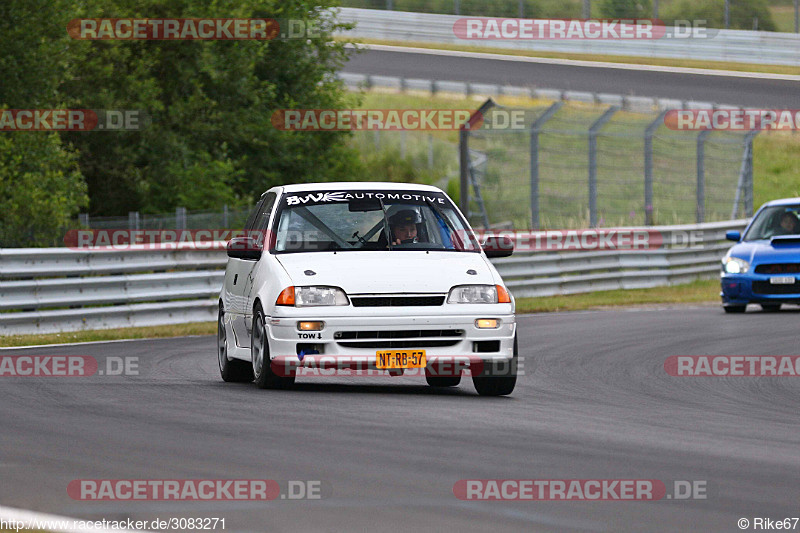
(208, 138)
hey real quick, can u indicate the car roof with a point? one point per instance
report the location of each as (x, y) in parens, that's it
(359, 186)
(783, 201)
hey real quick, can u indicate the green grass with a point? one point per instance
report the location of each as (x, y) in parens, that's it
(783, 17)
(151, 332)
(633, 60)
(702, 291)
(776, 166)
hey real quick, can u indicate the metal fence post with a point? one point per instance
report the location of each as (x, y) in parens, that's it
(701, 176)
(83, 220)
(180, 218)
(593, 129)
(727, 14)
(225, 216)
(133, 220)
(536, 128)
(463, 153)
(748, 191)
(648, 167)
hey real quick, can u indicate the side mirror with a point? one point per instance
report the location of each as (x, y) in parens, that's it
(246, 248)
(497, 246)
(734, 236)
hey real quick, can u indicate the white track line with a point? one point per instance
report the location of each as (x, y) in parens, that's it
(98, 342)
(582, 63)
(30, 518)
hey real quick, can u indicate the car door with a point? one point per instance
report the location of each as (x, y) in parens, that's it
(260, 225)
(238, 271)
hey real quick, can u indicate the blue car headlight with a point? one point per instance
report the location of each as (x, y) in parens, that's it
(734, 265)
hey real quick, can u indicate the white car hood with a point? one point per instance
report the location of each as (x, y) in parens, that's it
(387, 272)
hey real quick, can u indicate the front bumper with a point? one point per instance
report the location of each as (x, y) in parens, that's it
(742, 289)
(335, 341)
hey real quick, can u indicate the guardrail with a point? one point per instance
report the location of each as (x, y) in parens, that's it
(725, 45)
(536, 274)
(640, 104)
(45, 290)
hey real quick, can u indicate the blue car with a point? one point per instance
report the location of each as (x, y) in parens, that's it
(764, 266)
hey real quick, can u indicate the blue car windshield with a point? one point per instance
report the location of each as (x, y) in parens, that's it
(775, 221)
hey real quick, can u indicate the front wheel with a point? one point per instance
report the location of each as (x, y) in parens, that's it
(265, 378)
(231, 370)
(498, 379)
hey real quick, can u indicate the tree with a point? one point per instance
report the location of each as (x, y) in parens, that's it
(41, 187)
(210, 103)
(625, 8)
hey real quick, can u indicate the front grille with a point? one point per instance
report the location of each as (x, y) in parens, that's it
(396, 301)
(765, 287)
(415, 338)
(778, 268)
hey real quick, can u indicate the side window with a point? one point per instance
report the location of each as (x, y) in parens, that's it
(264, 210)
(250, 219)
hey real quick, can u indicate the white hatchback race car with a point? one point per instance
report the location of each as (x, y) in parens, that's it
(377, 277)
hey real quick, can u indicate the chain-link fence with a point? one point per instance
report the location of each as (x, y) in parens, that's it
(576, 166)
(182, 219)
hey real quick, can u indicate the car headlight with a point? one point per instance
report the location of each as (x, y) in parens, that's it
(478, 294)
(734, 265)
(312, 296)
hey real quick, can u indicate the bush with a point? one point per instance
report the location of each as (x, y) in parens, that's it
(625, 8)
(742, 13)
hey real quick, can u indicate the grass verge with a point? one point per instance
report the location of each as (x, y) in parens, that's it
(633, 60)
(151, 332)
(701, 291)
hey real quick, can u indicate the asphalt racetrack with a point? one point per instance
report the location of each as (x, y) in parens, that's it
(594, 403)
(635, 81)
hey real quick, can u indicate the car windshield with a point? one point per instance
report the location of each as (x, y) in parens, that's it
(318, 221)
(775, 221)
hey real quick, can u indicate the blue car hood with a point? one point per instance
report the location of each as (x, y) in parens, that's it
(765, 251)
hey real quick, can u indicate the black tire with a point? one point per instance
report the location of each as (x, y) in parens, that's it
(443, 381)
(771, 308)
(734, 308)
(498, 380)
(263, 375)
(231, 370)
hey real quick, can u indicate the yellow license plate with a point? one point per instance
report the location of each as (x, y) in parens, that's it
(400, 359)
